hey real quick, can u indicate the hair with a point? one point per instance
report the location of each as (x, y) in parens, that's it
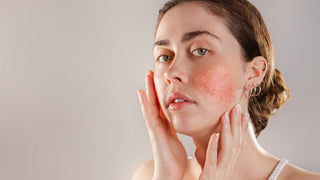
(248, 27)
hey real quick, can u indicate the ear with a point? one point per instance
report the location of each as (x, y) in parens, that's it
(256, 69)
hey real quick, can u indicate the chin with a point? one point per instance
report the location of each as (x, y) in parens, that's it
(189, 126)
(182, 125)
(192, 127)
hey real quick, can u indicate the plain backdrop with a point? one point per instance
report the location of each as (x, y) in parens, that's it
(69, 71)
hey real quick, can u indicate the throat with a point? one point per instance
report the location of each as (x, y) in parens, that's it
(253, 162)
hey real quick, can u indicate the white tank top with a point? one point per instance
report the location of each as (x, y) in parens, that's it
(277, 170)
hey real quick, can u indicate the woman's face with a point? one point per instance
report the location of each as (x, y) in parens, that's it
(200, 71)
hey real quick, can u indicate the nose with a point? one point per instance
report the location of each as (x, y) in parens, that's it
(176, 72)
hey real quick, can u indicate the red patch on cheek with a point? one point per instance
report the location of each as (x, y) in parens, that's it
(216, 81)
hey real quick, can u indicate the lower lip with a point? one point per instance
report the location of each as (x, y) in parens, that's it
(179, 105)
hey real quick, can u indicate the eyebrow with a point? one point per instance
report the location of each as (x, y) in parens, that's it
(190, 35)
(162, 43)
(186, 37)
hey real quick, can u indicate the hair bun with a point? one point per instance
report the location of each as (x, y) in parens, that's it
(271, 98)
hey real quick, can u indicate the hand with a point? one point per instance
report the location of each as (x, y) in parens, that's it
(170, 157)
(219, 165)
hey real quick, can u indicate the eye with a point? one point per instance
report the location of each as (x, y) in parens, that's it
(164, 58)
(200, 52)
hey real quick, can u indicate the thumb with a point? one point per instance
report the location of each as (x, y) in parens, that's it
(211, 156)
(200, 156)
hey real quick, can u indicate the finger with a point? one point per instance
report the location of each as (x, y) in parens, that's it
(211, 155)
(244, 127)
(226, 150)
(245, 122)
(149, 113)
(143, 100)
(153, 101)
(158, 133)
(155, 129)
(236, 125)
(144, 106)
(149, 104)
(151, 94)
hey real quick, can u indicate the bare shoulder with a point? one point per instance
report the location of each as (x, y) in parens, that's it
(144, 171)
(293, 172)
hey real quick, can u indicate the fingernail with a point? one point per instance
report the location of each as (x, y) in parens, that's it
(226, 116)
(216, 139)
(138, 93)
(149, 72)
(238, 109)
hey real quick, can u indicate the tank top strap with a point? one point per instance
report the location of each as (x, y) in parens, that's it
(277, 170)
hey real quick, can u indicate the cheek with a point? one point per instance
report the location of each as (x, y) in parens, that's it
(218, 83)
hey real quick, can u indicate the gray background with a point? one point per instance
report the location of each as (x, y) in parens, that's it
(69, 70)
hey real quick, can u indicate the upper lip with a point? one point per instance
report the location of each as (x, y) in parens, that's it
(177, 95)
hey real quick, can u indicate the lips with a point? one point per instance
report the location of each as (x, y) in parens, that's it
(177, 101)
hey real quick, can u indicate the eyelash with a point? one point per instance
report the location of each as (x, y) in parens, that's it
(206, 51)
(160, 58)
(169, 58)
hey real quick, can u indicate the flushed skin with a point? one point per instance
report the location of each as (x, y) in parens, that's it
(214, 81)
(199, 61)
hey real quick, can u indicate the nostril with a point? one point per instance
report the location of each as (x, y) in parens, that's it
(170, 80)
(177, 78)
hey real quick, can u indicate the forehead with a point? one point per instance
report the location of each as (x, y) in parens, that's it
(188, 17)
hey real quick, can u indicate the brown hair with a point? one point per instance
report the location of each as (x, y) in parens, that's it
(248, 27)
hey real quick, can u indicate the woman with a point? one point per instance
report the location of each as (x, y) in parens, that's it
(215, 81)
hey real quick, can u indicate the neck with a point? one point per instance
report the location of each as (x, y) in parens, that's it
(253, 163)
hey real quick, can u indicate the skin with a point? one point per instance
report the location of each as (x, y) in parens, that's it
(209, 69)
(214, 80)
